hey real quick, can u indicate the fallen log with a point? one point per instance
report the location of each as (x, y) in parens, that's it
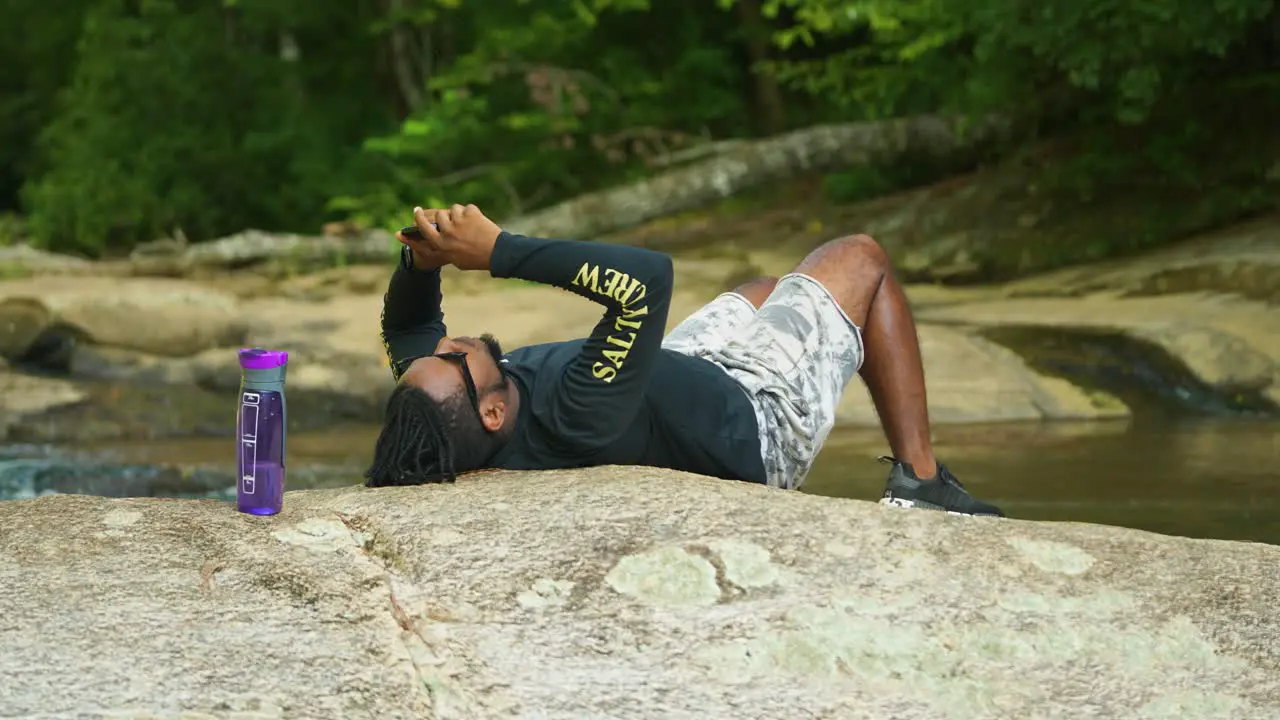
(254, 248)
(752, 164)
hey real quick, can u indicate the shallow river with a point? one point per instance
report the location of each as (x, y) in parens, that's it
(1217, 478)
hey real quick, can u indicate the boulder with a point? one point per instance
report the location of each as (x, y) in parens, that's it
(22, 320)
(323, 371)
(23, 260)
(643, 593)
(1207, 304)
(1229, 343)
(1241, 259)
(972, 380)
(24, 396)
(998, 223)
(152, 315)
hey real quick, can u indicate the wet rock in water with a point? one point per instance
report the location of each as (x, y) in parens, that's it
(972, 380)
(21, 323)
(1201, 314)
(159, 316)
(354, 380)
(1229, 345)
(115, 410)
(24, 478)
(35, 471)
(337, 371)
(24, 396)
(470, 600)
(129, 410)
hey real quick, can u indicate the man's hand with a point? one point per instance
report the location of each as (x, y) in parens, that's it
(424, 258)
(465, 236)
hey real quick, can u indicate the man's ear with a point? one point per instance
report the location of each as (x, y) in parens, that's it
(493, 411)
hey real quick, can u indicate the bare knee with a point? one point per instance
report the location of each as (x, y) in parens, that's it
(758, 290)
(863, 250)
(852, 269)
(852, 258)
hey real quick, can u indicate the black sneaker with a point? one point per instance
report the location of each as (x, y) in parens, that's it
(943, 492)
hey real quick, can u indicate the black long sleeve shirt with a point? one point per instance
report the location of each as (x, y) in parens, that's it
(613, 398)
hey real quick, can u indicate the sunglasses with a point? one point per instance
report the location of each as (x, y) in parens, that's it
(460, 358)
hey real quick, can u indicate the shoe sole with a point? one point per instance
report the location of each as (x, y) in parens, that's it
(914, 505)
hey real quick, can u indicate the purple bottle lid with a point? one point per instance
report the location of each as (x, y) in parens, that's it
(259, 359)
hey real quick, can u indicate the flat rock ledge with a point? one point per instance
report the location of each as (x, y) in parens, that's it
(619, 593)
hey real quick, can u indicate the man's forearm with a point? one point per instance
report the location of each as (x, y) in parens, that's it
(412, 319)
(412, 300)
(615, 276)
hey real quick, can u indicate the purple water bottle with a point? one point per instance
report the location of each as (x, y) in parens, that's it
(260, 431)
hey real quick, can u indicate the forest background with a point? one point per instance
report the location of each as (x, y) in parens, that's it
(124, 121)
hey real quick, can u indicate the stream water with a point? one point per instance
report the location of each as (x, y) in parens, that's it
(1197, 477)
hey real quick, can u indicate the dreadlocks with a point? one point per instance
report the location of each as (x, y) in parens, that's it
(427, 441)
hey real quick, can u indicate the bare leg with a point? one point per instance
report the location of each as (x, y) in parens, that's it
(857, 272)
(758, 290)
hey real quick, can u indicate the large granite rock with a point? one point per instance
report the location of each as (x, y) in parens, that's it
(22, 260)
(1242, 259)
(1208, 304)
(24, 395)
(1228, 343)
(152, 315)
(620, 593)
(973, 380)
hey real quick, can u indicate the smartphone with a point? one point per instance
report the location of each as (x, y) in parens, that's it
(412, 232)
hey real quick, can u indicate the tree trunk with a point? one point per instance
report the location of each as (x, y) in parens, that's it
(768, 96)
(402, 61)
(752, 164)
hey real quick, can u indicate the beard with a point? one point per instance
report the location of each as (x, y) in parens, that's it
(500, 436)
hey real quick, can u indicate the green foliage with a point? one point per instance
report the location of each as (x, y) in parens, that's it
(1153, 95)
(12, 229)
(550, 101)
(134, 124)
(185, 116)
(1127, 53)
(878, 58)
(129, 119)
(37, 42)
(1118, 57)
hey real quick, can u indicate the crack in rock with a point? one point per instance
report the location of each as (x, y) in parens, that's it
(409, 651)
(432, 670)
(728, 589)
